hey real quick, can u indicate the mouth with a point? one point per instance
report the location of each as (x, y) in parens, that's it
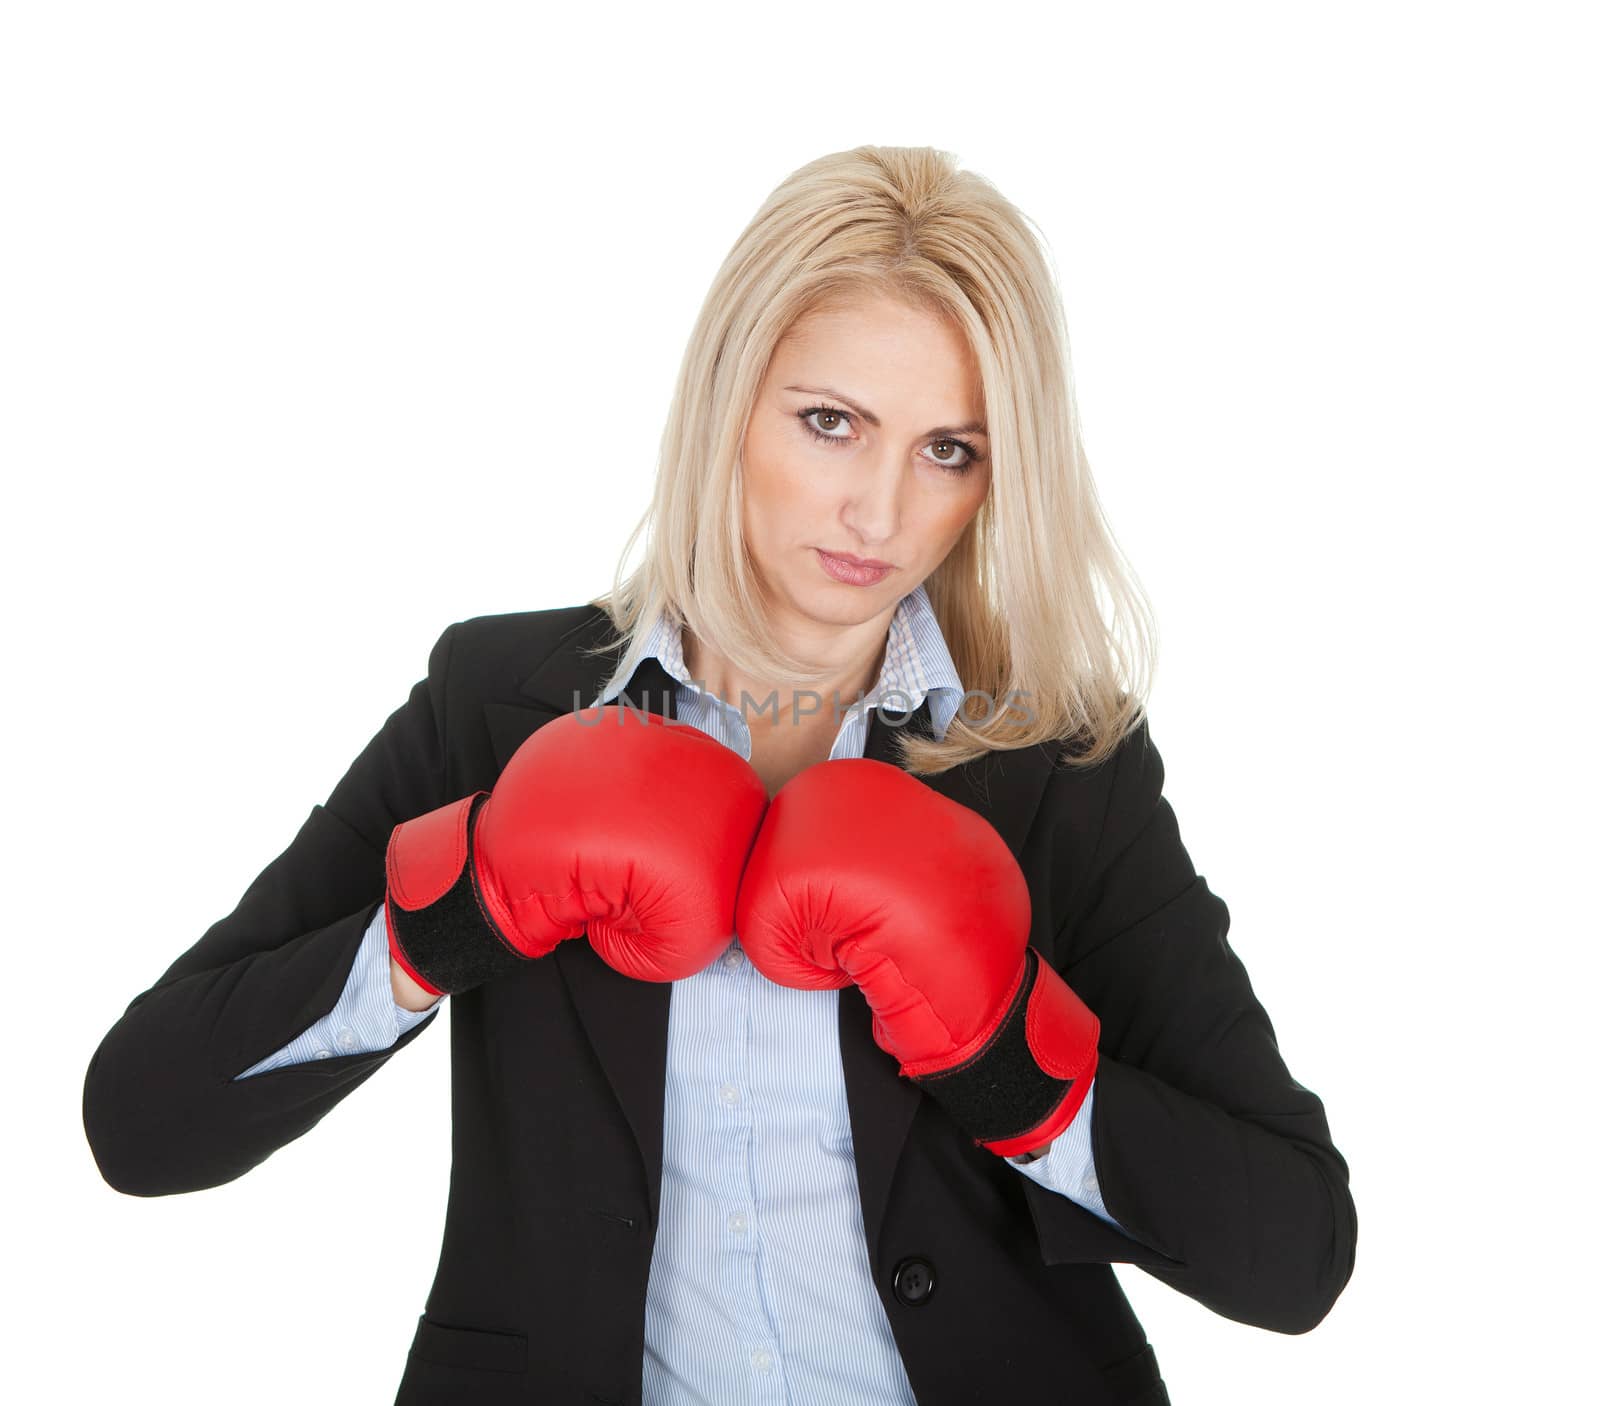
(853, 570)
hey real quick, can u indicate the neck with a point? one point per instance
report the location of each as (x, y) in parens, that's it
(851, 654)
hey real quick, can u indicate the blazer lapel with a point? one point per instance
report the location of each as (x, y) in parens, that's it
(626, 1020)
(882, 1101)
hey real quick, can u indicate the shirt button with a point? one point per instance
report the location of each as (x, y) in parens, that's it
(762, 1358)
(737, 1222)
(347, 1037)
(323, 1054)
(734, 957)
(729, 1095)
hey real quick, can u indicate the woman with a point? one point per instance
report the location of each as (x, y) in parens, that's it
(834, 1001)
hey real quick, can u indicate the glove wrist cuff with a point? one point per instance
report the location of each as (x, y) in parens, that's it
(440, 930)
(1028, 1082)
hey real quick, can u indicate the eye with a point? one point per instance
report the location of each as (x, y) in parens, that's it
(953, 468)
(805, 419)
(972, 456)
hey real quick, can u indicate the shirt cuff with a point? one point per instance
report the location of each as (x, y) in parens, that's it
(1068, 1167)
(366, 1016)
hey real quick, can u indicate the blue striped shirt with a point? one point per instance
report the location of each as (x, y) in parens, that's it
(760, 1287)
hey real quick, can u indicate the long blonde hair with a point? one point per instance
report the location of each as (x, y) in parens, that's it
(1016, 596)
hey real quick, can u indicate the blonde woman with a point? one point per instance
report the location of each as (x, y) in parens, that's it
(898, 1014)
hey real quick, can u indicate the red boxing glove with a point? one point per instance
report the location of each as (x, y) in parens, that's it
(863, 873)
(627, 824)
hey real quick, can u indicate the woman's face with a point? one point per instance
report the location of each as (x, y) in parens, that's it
(866, 440)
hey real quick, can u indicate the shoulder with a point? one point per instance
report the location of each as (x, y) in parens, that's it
(534, 634)
(1097, 809)
(524, 639)
(488, 656)
(1130, 768)
(1113, 841)
(1137, 775)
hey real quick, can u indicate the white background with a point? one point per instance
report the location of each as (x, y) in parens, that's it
(325, 325)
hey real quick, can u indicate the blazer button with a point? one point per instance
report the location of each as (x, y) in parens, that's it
(913, 1281)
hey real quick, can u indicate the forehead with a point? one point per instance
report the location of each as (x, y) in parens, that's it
(874, 345)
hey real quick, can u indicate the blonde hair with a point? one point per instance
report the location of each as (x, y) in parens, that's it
(1015, 597)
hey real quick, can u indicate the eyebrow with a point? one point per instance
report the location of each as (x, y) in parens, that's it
(971, 426)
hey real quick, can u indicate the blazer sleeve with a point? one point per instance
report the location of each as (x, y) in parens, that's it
(365, 1017)
(1206, 1149)
(163, 1110)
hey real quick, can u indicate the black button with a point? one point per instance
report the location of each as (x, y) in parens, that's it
(913, 1281)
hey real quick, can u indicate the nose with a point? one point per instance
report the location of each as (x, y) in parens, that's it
(872, 509)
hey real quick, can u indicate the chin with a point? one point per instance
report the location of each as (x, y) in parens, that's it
(845, 605)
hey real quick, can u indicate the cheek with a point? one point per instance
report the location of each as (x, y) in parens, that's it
(949, 513)
(967, 508)
(778, 490)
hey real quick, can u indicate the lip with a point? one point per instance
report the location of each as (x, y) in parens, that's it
(853, 571)
(854, 560)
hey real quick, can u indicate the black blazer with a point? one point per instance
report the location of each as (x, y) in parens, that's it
(1206, 1149)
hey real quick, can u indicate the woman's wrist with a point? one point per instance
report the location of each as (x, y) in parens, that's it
(407, 994)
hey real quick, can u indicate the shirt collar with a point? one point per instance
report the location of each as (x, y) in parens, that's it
(916, 663)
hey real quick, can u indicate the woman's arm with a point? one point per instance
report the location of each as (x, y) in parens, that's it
(1205, 1146)
(162, 1109)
